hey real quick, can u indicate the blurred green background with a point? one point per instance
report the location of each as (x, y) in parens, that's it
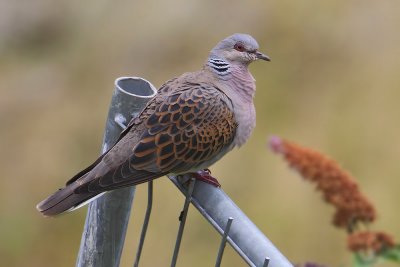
(333, 84)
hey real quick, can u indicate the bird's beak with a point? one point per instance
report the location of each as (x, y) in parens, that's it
(262, 56)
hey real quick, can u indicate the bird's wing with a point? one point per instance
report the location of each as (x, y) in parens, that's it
(185, 125)
(132, 123)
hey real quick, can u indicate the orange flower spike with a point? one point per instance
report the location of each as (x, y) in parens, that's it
(337, 186)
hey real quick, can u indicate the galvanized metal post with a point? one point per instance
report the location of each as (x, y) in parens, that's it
(107, 218)
(248, 241)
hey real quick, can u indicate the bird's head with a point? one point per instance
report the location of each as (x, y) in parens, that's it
(238, 48)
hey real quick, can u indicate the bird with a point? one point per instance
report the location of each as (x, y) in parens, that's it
(191, 123)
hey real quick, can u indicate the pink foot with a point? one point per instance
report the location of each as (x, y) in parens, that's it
(205, 176)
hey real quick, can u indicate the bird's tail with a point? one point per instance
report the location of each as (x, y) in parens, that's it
(64, 200)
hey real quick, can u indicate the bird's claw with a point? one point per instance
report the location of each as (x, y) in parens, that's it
(205, 176)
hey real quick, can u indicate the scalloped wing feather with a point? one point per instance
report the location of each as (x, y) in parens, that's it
(186, 125)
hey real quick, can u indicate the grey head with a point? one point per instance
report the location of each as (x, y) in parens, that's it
(238, 48)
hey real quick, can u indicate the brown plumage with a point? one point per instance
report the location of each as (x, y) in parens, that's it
(192, 122)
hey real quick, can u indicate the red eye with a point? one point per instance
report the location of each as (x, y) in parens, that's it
(239, 47)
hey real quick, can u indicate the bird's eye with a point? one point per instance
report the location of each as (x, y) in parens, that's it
(239, 47)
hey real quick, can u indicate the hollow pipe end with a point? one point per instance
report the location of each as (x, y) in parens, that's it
(135, 86)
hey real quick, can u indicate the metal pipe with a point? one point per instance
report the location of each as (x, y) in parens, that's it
(107, 217)
(248, 241)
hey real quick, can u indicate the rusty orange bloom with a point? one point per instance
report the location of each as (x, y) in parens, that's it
(366, 241)
(337, 186)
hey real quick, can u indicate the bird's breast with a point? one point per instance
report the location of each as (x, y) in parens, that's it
(245, 116)
(241, 92)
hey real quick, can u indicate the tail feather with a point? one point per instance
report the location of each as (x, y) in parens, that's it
(63, 200)
(85, 187)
